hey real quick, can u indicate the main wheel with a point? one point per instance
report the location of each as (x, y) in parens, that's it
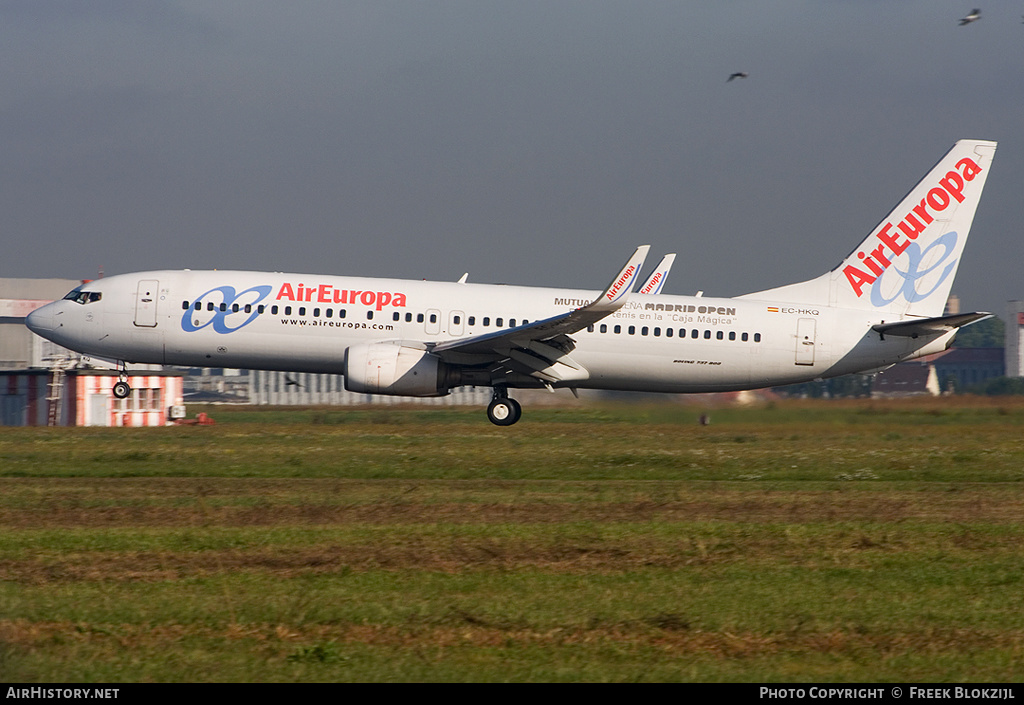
(121, 390)
(504, 411)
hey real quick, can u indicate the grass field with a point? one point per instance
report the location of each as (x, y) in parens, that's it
(798, 542)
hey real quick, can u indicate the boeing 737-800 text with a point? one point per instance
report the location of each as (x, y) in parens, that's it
(881, 305)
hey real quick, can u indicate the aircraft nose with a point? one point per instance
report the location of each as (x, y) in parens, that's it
(40, 321)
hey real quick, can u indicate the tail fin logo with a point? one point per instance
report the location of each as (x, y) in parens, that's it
(890, 245)
(915, 255)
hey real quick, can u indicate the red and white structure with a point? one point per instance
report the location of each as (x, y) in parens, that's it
(84, 397)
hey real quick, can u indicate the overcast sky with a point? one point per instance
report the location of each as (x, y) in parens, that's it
(531, 142)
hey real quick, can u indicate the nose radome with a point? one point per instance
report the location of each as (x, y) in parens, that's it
(40, 321)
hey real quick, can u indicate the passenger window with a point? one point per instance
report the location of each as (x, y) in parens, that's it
(199, 306)
(604, 327)
(694, 333)
(274, 310)
(643, 331)
(248, 308)
(419, 318)
(743, 337)
(456, 320)
(657, 332)
(329, 312)
(261, 308)
(433, 318)
(707, 335)
(223, 307)
(369, 315)
(287, 310)
(396, 316)
(302, 310)
(732, 335)
(316, 313)
(632, 330)
(511, 323)
(408, 318)
(497, 322)
(184, 305)
(618, 329)
(487, 321)
(668, 332)
(234, 308)
(757, 337)
(720, 335)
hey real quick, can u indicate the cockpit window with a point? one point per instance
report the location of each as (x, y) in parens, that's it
(83, 297)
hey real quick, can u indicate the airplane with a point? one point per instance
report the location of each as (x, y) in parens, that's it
(882, 304)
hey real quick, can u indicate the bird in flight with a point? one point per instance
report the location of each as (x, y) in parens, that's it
(974, 15)
(738, 74)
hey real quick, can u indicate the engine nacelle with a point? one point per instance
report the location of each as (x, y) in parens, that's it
(393, 368)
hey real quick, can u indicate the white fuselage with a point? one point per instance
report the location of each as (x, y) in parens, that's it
(305, 323)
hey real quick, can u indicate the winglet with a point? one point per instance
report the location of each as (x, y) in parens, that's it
(617, 292)
(657, 279)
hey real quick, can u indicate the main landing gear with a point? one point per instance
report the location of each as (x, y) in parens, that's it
(121, 387)
(503, 410)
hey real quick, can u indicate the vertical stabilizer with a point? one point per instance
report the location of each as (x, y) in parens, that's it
(907, 264)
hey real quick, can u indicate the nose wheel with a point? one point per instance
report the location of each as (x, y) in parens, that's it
(503, 410)
(121, 386)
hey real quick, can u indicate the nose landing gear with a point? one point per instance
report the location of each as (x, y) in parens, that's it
(121, 387)
(503, 410)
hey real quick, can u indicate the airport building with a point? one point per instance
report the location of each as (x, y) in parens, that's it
(84, 397)
(1015, 339)
(20, 348)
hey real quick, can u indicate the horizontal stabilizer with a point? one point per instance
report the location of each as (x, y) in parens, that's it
(928, 326)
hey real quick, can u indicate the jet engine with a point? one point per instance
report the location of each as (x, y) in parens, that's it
(395, 368)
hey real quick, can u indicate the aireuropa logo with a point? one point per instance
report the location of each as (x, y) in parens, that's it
(880, 251)
(620, 284)
(931, 276)
(224, 309)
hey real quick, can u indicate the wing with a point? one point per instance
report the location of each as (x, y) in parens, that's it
(541, 349)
